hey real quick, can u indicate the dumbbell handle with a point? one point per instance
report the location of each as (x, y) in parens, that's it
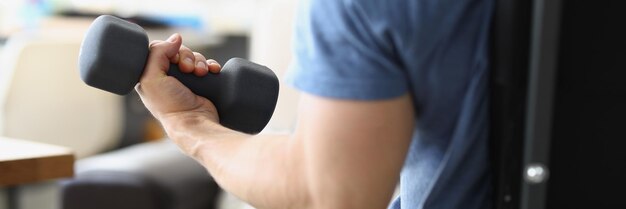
(247, 81)
(201, 85)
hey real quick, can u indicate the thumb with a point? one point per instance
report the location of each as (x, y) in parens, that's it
(161, 52)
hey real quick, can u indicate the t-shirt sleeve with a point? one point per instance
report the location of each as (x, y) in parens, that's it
(344, 49)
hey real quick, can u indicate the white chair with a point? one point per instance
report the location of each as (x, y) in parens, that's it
(43, 99)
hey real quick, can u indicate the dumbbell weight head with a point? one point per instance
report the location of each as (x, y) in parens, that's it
(114, 52)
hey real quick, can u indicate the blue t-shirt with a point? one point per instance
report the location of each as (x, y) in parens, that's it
(435, 50)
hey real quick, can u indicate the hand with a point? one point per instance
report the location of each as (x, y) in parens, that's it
(164, 96)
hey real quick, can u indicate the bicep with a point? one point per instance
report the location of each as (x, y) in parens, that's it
(354, 150)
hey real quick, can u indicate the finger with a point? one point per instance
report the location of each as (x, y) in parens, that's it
(214, 66)
(186, 62)
(160, 54)
(201, 65)
(175, 59)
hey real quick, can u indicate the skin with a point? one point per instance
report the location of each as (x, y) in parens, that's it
(343, 153)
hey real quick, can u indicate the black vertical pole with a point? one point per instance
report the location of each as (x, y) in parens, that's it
(543, 64)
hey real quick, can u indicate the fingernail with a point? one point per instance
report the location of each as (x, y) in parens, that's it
(213, 62)
(173, 37)
(188, 60)
(201, 65)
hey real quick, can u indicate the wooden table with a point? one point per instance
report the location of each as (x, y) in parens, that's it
(24, 162)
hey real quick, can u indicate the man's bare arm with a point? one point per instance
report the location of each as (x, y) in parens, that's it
(343, 154)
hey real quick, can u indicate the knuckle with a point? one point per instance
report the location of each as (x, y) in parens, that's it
(186, 52)
(198, 55)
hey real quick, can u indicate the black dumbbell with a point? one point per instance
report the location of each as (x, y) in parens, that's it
(113, 55)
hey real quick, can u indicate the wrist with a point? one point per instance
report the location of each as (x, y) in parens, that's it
(175, 122)
(190, 130)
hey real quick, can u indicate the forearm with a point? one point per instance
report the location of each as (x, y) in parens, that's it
(264, 170)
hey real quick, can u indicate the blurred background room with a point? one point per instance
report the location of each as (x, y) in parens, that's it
(123, 158)
(556, 94)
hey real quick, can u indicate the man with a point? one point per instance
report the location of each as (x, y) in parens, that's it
(389, 86)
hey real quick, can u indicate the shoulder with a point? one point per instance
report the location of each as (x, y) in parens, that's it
(343, 51)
